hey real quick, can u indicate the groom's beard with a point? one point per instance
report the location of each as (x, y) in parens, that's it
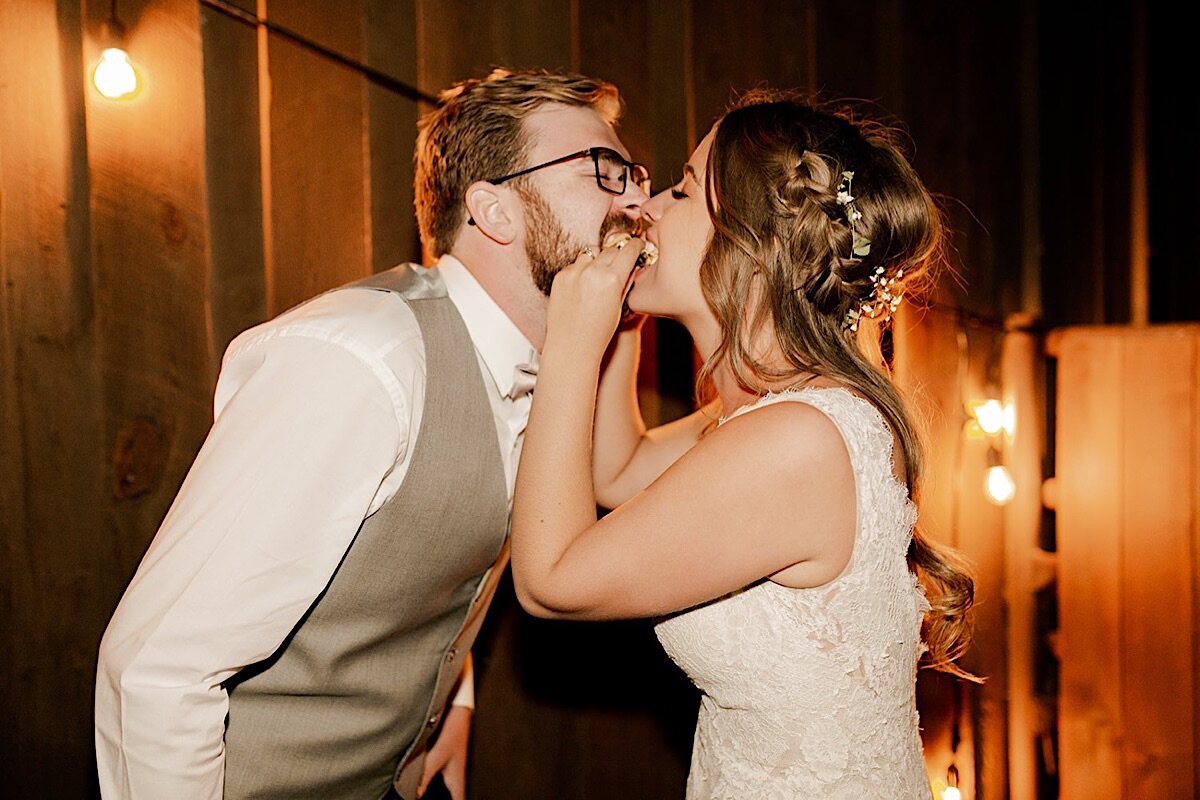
(550, 248)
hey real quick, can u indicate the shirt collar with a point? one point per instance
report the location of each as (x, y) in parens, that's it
(497, 339)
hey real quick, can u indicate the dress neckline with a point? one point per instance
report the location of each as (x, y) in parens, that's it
(755, 403)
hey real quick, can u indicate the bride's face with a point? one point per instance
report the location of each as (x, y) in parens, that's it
(678, 223)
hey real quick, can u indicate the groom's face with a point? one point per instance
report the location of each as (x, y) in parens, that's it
(565, 208)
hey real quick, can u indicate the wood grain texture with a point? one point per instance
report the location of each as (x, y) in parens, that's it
(318, 155)
(1158, 576)
(149, 255)
(391, 43)
(233, 170)
(57, 571)
(1127, 510)
(1090, 449)
(150, 261)
(1023, 370)
(465, 40)
(941, 365)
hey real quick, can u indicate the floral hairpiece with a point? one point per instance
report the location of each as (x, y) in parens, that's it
(883, 300)
(860, 245)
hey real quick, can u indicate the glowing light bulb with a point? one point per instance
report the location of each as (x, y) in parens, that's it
(951, 793)
(990, 416)
(114, 77)
(999, 485)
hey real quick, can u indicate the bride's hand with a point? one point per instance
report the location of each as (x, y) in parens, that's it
(586, 298)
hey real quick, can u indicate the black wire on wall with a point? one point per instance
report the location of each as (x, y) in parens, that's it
(370, 73)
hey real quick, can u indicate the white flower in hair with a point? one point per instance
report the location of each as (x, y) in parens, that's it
(860, 245)
(883, 301)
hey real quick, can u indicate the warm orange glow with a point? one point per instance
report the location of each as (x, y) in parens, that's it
(114, 76)
(990, 415)
(951, 793)
(1000, 486)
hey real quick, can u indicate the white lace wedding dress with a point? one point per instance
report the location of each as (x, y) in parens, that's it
(810, 693)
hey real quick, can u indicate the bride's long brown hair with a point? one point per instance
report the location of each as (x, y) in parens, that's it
(782, 256)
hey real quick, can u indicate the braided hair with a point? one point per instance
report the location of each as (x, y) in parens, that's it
(795, 253)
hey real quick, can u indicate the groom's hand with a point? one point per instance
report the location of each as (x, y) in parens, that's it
(449, 754)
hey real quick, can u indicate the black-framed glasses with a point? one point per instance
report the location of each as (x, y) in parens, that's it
(612, 170)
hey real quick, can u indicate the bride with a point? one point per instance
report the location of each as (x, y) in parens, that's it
(777, 546)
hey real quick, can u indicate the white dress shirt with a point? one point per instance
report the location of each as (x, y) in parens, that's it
(314, 418)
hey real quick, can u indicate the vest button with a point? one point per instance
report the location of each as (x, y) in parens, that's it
(451, 653)
(433, 721)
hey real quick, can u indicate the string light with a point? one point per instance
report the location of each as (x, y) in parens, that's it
(989, 415)
(999, 485)
(951, 792)
(114, 76)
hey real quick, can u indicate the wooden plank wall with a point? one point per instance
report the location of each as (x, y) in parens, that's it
(943, 363)
(1028, 568)
(137, 238)
(1128, 508)
(57, 545)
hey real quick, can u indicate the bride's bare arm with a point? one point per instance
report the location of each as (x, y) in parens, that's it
(626, 456)
(764, 492)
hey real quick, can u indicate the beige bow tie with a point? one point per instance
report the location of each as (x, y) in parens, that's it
(524, 378)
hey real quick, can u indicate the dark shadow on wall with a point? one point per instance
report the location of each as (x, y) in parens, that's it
(576, 710)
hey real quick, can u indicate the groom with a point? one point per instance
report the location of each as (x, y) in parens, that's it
(306, 610)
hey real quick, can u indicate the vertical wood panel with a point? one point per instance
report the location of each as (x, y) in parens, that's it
(846, 65)
(1158, 575)
(1086, 135)
(233, 168)
(1022, 367)
(1128, 521)
(981, 538)
(938, 372)
(1090, 453)
(739, 46)
(457, 41)
(392, 127)
(1194, 493)
(921, 341)
(628, 65)
(318, 155)
(149, 252)
(57, 570)
(665, 74)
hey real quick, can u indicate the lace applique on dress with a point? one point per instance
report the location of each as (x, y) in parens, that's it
(810, 693)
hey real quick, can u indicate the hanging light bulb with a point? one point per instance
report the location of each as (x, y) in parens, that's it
(989, 414)
(114, 76)
(999, 485)
(951, 792)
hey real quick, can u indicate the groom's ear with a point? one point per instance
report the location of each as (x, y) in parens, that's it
(494, 210)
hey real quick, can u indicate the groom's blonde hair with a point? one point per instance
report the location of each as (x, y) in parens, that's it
(476, 133)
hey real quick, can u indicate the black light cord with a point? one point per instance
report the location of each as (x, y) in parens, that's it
(373, 75)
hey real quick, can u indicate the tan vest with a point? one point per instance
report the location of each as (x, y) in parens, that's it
(346, 706)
